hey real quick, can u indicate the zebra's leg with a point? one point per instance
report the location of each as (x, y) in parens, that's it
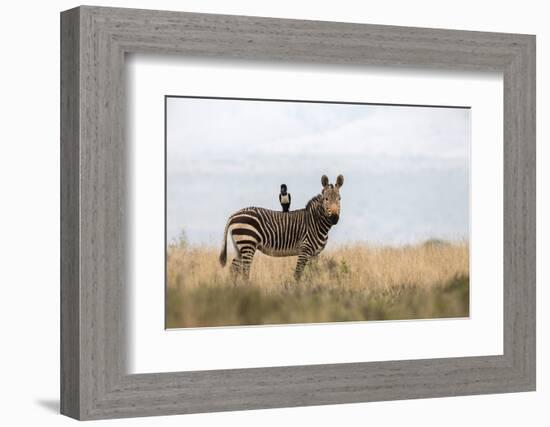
(247, 254)
(303, 258)
(236, 266)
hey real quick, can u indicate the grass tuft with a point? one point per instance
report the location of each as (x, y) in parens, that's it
(347, 283)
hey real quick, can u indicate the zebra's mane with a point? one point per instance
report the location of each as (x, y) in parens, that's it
(315, 201)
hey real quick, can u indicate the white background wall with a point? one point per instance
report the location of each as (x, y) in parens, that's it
(29, 212)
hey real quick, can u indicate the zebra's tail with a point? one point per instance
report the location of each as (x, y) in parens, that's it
(223, 253)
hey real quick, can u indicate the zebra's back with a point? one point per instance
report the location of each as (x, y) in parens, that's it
(272, 232)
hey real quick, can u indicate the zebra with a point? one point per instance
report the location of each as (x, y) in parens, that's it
(302, 232)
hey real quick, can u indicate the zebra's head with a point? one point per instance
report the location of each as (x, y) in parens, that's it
(331, 198)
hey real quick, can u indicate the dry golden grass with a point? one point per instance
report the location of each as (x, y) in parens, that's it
(352, 282)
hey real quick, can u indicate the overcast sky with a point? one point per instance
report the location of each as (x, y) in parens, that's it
(406, 169)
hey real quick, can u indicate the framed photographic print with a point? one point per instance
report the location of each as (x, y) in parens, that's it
(262, 213)
(395, 246)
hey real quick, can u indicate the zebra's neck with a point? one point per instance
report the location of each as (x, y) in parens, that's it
(317, 214)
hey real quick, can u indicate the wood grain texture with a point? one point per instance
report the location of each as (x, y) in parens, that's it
(94, 268)
(70, 220)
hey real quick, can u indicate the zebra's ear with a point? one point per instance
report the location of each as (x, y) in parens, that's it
(339, 181)
(324, 180)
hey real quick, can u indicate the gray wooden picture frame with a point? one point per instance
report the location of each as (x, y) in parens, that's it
(94, 381)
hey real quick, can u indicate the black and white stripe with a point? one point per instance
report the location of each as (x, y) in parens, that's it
(302, 232)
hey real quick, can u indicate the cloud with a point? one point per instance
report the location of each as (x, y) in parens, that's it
(407, 165)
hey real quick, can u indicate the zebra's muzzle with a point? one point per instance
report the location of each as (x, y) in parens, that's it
(334, 219)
